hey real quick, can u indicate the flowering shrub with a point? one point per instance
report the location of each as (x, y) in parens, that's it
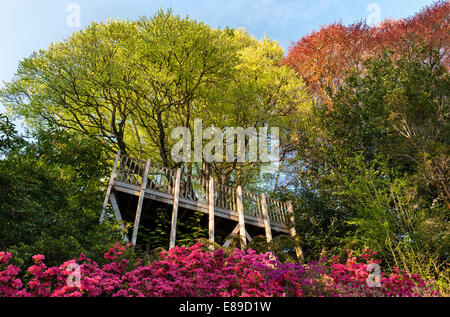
(196, 271)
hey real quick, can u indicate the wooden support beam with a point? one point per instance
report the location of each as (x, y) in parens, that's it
(248, 236)
(293, 233)
(235, 230)
(110, 185)
(176, 197)
(140, 203)
(115, 207)
(266, 218)
(211, 209)
(240, 210)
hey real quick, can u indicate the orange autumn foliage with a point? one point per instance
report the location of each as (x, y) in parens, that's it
(323, 57)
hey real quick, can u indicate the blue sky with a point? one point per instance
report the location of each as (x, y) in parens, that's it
(30, 25)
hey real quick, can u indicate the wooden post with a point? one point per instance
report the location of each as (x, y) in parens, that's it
(211, 208)
(298, 249)
(240, 210)
(110, 184)
(140, 203)
(176, 197)
(266, 218)
(115, 207)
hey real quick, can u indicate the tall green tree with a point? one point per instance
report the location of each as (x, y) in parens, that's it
(395, 116)
(129, 83)
(400, 110)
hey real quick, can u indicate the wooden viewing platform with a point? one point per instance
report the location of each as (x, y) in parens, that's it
(135, 183)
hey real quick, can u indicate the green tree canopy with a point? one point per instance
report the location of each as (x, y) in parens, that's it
(129, 83)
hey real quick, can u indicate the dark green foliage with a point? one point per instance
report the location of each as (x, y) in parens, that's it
(9, 138)
(282, 247)
(159, 236)
(190, 228)
(50, 198)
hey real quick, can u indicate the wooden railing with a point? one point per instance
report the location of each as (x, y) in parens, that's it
(225, 197)
(196, 189)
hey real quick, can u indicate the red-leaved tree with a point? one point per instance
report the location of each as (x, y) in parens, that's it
(323, 57)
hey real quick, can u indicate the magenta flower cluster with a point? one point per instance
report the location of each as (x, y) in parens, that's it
(196, 271)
